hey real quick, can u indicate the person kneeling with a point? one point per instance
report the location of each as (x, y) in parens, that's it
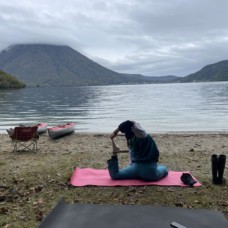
(144, 155)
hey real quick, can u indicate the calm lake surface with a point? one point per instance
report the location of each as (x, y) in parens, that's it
(158, 107)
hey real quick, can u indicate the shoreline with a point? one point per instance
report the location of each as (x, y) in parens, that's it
(3, 132)
(181, 143)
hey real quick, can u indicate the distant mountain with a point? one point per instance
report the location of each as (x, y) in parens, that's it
(51, 65)
(213, 72)
(8, 81)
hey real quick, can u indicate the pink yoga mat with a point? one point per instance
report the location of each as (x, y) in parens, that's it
(100, 177)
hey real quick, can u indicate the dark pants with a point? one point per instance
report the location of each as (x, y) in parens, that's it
(148, 171)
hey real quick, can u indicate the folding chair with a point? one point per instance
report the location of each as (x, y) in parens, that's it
(24, 138)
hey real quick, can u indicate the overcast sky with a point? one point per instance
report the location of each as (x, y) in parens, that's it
(150, 37)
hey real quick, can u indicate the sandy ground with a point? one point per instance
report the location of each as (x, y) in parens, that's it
(178, 145)
(195, 148)
(55, 160)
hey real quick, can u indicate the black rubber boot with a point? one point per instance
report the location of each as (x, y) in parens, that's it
(221, 167)
(214, 168)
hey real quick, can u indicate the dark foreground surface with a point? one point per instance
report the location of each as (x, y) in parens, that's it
(99, 216)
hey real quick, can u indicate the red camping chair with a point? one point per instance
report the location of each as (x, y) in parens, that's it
(24, 138)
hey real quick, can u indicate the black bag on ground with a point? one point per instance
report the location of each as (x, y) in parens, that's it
(187, 179)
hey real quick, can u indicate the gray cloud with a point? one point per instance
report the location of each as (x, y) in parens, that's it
(149, 37)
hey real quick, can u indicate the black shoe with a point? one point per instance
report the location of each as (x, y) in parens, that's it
(187, 179)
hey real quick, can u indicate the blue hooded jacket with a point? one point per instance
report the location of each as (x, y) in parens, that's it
(143, 148)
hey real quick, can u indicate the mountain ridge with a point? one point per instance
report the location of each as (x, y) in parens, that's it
(211, 72)
(52, 65)
(58, 65)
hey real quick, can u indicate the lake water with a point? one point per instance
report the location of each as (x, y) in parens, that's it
(158, 107)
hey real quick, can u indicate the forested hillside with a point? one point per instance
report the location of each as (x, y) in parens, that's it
(213, 72)
(8, 81)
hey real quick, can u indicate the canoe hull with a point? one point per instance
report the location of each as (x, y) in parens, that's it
(42, 128)
(61, 130)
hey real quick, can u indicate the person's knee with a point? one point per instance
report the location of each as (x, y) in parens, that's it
(114, 177)
(163, 170)
(166, 172)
